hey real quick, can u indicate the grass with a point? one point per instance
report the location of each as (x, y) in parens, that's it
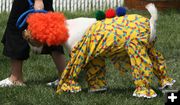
(39, 69)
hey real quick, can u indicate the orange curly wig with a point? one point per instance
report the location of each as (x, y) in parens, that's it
(48, 28)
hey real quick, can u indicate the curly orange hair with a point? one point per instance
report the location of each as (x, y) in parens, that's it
(48, 28)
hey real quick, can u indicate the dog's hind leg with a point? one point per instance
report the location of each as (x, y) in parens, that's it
(159, 70)
(141, 66)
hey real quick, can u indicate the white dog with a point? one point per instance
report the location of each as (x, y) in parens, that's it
(78, 26)
(78, 39)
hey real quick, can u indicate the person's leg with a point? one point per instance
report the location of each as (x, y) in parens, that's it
(16, 76)
(59, 60)
(16, 70)
(15, 47)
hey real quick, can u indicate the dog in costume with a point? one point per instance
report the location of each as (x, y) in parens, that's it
(125, 39)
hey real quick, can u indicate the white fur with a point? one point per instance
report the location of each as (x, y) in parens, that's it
(36, 50)
(77, 27)
(154, 16)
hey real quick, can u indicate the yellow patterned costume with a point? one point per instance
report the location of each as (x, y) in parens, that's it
(122, 39)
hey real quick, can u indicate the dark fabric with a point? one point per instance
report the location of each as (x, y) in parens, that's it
(14, 45)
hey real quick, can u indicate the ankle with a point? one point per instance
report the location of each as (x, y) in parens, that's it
(15, 79)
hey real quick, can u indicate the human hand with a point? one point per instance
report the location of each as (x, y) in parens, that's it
(38, 5)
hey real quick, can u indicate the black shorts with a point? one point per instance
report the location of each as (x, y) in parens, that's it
(15, 46)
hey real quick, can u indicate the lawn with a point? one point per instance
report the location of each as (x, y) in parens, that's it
(39, 69)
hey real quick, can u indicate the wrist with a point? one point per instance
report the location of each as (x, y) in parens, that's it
(38, 0)
(38, 5)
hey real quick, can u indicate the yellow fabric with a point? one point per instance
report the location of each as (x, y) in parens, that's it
(122, 39)
(144, 92)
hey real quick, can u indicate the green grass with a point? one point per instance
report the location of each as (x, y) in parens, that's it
(39, 69)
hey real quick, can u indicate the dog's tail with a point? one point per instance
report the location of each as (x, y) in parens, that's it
(154, 16)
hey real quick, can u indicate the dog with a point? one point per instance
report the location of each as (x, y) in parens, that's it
(128, 39)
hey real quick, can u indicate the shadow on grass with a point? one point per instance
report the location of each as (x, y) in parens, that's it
(112, 90)
(41, 81)
(122, 91)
